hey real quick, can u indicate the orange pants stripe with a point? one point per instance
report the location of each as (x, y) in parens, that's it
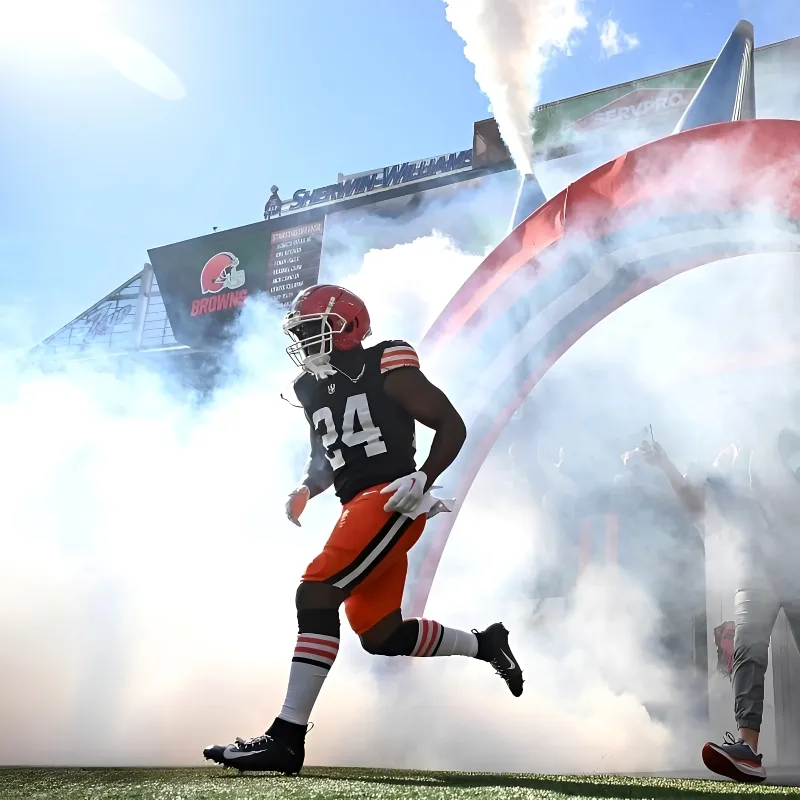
(366, 557)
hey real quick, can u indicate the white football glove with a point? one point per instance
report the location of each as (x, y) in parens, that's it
(296, 504)
(407, 493)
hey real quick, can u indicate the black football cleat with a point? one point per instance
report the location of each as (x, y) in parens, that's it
(262, 754)
(493, 647)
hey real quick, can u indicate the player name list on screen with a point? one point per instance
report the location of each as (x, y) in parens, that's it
(294, 257)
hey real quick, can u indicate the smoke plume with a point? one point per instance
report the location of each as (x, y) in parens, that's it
(510, 43)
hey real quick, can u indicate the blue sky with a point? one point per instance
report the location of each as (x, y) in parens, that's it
(94, 169)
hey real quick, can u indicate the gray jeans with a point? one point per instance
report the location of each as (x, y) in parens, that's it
(756, 612)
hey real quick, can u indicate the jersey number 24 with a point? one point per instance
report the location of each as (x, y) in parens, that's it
(356, 411)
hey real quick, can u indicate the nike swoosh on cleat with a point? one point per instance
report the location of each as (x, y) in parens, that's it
(230, 753)
(511, 664)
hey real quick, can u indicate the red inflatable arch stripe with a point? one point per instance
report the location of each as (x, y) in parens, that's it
(713, 171)
(615, 194)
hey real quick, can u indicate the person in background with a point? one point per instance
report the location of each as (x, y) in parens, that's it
(658, 539)
(274, 205)
(758, 492)
(691, 496)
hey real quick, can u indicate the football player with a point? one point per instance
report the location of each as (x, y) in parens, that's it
(362, 405)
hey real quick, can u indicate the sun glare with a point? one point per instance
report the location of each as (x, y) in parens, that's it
(49, 21)
(46, 27)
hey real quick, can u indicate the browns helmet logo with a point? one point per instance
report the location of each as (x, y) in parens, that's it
(220, 272)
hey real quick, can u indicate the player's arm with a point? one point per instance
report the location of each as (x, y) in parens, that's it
(692, 497)
(317, 477)
(411, 390)
(428, 404)
(318, 473)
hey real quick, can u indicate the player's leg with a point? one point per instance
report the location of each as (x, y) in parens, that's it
(314, 653)
(756, 612)
(358, 545)
(282, 747)
(373, 611)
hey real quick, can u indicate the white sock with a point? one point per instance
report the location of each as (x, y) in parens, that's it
(314, 655)
(436, 640)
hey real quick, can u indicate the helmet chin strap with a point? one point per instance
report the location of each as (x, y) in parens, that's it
(319, 366)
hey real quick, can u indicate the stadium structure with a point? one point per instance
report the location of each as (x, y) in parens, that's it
(183, 305)
(164, 309)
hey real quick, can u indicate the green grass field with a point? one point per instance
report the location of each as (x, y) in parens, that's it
(320, 783)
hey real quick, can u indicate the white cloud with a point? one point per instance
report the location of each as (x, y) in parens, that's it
(613, 40)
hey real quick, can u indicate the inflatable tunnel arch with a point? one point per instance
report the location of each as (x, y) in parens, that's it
(700, 196)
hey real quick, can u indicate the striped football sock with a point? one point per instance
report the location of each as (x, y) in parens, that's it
(434, 639)
(314, 655)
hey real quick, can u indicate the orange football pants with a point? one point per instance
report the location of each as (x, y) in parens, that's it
(366, 556)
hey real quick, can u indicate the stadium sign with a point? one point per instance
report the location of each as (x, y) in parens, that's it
(636, 105)
(658, 100)
(204, 282)
(395, 175)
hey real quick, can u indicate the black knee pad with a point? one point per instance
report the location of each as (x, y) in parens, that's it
(325, 622)
(313, 594)
(401, 642)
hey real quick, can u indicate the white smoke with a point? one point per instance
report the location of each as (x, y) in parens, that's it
(417, 295)
(510, 42)
(148, 571)
(148, 576)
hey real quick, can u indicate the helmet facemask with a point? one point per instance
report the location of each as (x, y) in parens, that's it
(313, 341)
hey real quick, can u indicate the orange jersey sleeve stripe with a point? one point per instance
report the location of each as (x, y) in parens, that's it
(401, 356)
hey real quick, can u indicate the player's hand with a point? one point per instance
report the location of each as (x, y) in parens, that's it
(297, 503)
(406, 493)
(653, 453)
